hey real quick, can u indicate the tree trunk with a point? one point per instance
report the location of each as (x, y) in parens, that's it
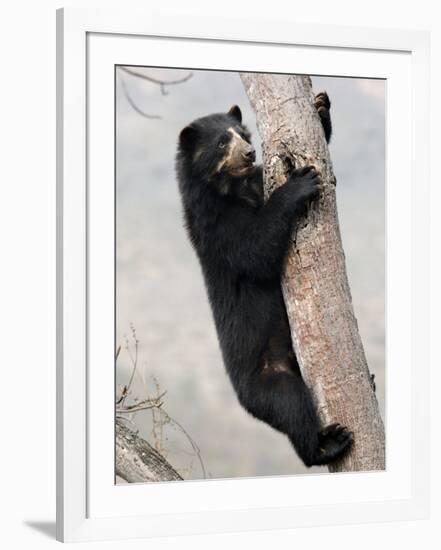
(137, 461)
(315, 285)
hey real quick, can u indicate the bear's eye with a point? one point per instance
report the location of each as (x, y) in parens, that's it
(222, 144)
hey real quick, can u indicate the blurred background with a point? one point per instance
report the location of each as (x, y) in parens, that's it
(164, 323)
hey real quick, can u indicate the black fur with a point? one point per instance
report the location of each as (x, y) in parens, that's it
(323, 106)
(241, 244)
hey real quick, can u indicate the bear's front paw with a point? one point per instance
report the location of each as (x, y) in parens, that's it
(334, 441)
(305, 184)
(323, 106)
(322, 103)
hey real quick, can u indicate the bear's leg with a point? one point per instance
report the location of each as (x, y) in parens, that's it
(276, 393)
(281, 399)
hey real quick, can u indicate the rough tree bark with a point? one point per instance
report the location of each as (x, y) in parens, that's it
(315, 285)
(137, 461)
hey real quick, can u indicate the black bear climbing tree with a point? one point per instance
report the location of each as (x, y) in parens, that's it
(315, 285)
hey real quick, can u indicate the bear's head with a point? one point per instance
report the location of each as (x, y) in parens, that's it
(218, 145)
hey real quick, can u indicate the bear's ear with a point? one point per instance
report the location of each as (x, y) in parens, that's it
(188, 136)
(236, 113)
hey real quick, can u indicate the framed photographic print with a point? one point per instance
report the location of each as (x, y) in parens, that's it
(242, 275)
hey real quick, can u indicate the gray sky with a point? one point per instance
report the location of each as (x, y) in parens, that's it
(159, 284)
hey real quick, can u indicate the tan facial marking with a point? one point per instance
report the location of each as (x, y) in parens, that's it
(234, 158)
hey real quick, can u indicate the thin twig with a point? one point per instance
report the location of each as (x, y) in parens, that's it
(189, 438)
(123, 394)
(193, 444)
(160, 82)
(158, 421)
(137, 408)
(149, 403)
(133, 104)
(134, 361)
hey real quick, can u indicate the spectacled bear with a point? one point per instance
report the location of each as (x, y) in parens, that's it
(241, 242)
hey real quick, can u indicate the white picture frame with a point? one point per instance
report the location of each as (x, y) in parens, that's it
(89, 505)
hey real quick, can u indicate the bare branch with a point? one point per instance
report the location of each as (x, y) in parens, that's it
(192, 442)
(149, 403)
(133, 104)
(122, 396)
(154, 404)
(133, 359)
(137, 408)
(137, 461)
(160, 82)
